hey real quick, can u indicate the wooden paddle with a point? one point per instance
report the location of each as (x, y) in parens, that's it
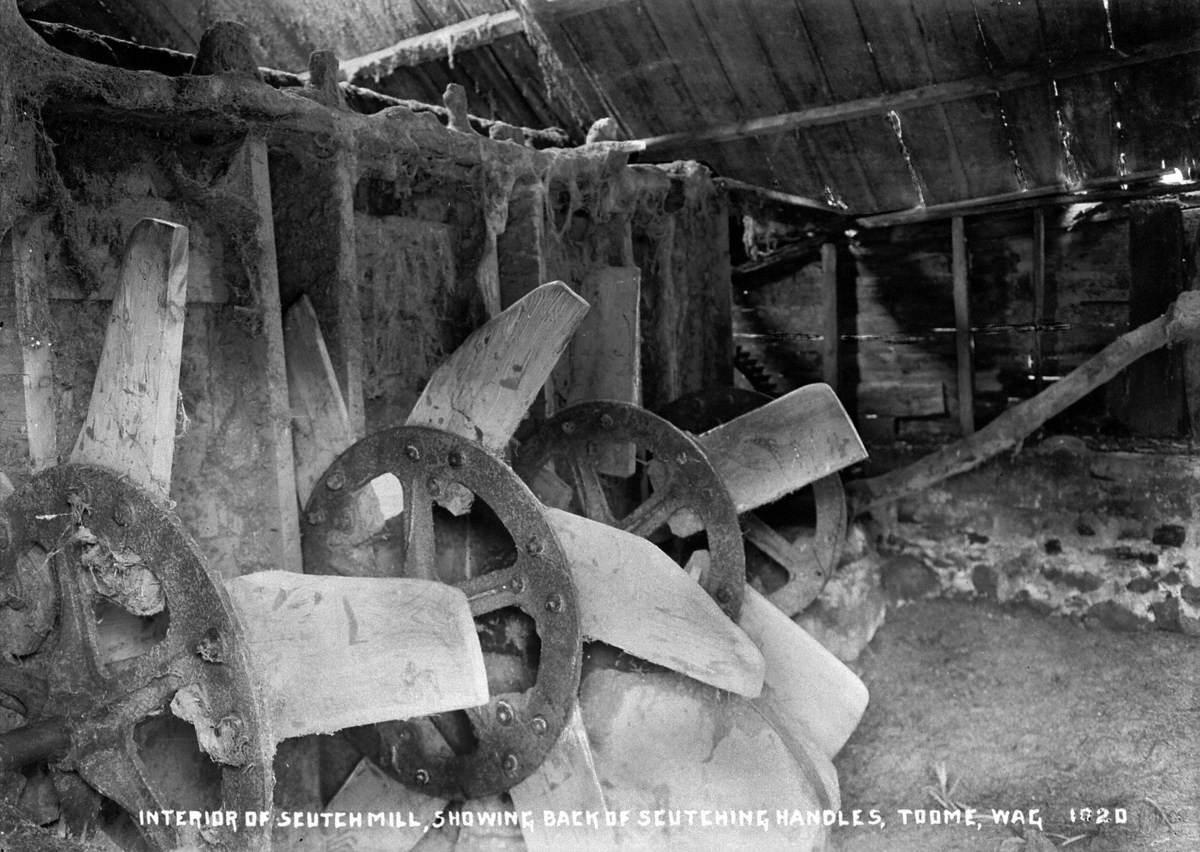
(130, 430)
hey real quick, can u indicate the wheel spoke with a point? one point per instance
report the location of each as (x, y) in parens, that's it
(589, 490)
(493, 590)
(651, 515)
(116, 772)
(21, 690)
(420, 548)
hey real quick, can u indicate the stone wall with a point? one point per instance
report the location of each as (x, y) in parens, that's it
(1110, 536)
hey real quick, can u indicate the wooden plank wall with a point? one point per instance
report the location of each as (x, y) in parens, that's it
(897, 322)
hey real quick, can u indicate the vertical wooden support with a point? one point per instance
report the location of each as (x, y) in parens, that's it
(521, 258)
(1039, 292)
(603, 358)
(313, 206)
(349, 362)
(829, 314)
(26, 366)
(962, 328)
(275, 367)
(1191, 366)
(1149, 396)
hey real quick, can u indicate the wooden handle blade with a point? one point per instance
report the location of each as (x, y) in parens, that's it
(321, 428)
(130, 424)
(565, 783)
(783, 446)
(484, 389)
(603, 359)
(633, 596)
(334, 652)
(807, 691)
(662, 742)
(369, 790)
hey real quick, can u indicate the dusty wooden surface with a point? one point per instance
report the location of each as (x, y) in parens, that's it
(566, 782)
(633, 596)
(810, 692)
(321, 428)
(783, 446)
(485, 388)
(647, 759)
(29, 440)
(130, 424)
(315, 640)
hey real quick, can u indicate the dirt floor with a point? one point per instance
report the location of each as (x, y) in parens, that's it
(1022, 711)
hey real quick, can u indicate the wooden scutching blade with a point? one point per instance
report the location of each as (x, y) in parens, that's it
(369, 789)
(130, 424)
(335, 652)
(565, 783)
(788, 443)
(321, 428)
(664, 743)
(484, 389)
(808, 691)
(634, 596)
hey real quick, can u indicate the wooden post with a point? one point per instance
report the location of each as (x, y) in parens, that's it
(829, 314)
(962, 329)
(1039, 292)
(26, 365)
(349, 316)
(1149, 397)
(275, 368)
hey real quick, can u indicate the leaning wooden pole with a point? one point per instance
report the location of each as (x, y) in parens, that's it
(1181, 322)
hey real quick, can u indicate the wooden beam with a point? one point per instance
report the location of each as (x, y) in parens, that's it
(258, 186)
(443, 43)
(27, 407)
(560, 10)
(173, 63)
(1039, 291)
(784, 199)
(830, 333)
(462, 36)
(1040, 196)
(1180, 324)
(962, 328)
(1149, 397)
(937, 93)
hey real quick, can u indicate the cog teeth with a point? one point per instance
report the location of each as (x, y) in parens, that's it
(756, 374)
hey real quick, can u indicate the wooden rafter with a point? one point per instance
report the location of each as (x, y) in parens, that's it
(1100, 189)
(937, 93)
(459, 37)
(463, 36)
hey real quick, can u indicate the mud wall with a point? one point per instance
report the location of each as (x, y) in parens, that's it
(397, 229)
